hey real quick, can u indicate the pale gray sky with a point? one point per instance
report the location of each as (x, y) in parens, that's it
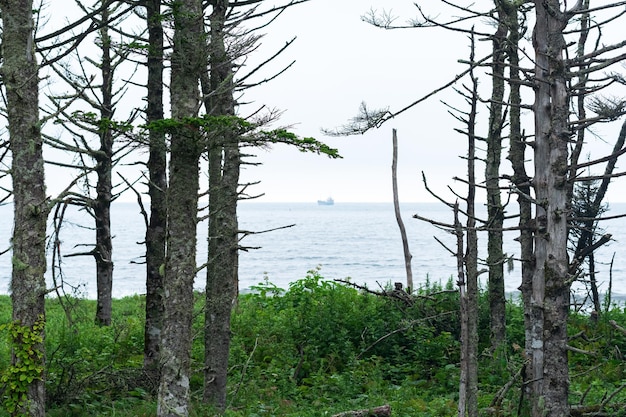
(342, 61)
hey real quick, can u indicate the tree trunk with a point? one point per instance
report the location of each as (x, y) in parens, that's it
(521, 181)
(495, 211)
(180, 265)
(396, 206)
(460, 266)
(221, 278)
(581, 84)
(471, 255)
(157, 186)
(550, 295)
(224, 166)
(20, 77)
(468, 392)
(595, 295)
(102, 204)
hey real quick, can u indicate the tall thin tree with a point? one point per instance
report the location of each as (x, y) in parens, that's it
(495, 210)
(550, 289)
(98, 91)
(396, 207)
(157, 187)
(224, 163)
(20, 75)
(103, 252)
(187, 62)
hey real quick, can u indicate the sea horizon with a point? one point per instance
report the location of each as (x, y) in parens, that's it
(359, 241)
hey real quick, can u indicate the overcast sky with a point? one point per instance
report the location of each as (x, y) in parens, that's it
(341, 61)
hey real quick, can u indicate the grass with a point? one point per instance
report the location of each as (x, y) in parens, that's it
(314, 349)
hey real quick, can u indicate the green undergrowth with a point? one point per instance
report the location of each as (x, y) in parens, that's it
(315, 349)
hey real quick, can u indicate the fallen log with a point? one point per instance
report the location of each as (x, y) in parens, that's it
(382, 411)
(595, 410)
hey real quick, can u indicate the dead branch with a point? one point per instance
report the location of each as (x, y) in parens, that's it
(434, 194)
(397, 293)
(245, 233)
(452, 253)
(359, 287)
(595, 410)
(496, 403)
(581, 351)
(586, 251)
(402, 329)
(142, 209)
(433, 222)
(360, 125)
(617, 326)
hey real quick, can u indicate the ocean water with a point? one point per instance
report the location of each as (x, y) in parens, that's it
(356, 241)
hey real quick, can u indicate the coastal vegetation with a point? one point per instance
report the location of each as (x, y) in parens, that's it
(319, 348)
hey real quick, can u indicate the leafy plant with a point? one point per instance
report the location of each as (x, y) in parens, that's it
(317, 348)
(27, 366)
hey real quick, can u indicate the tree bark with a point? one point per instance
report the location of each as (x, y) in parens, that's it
(581, 84)
(495, 211)
(180, 266)
(550, 295)
(157, 187)
(520, 180)
(102, 204)
(468, 391)
(471, 255)
(224, 165)
(460, 266)
(396, 206)
(20, 76)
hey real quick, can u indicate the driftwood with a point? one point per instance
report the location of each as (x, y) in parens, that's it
(382, 411)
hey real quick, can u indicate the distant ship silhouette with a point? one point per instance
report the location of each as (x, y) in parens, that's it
(328, 202)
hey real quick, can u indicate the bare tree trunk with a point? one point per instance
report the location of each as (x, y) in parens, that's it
(20, 77)
(550, 295)
(180, 265)
(595, 296)
(521, 181)
(495, 211)
(460, 266)
(222, 263)
(581, 85)
(221, 280)
(471, 256)
(102, 204)
(396, 206)
(469, 303)
(157, 186)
